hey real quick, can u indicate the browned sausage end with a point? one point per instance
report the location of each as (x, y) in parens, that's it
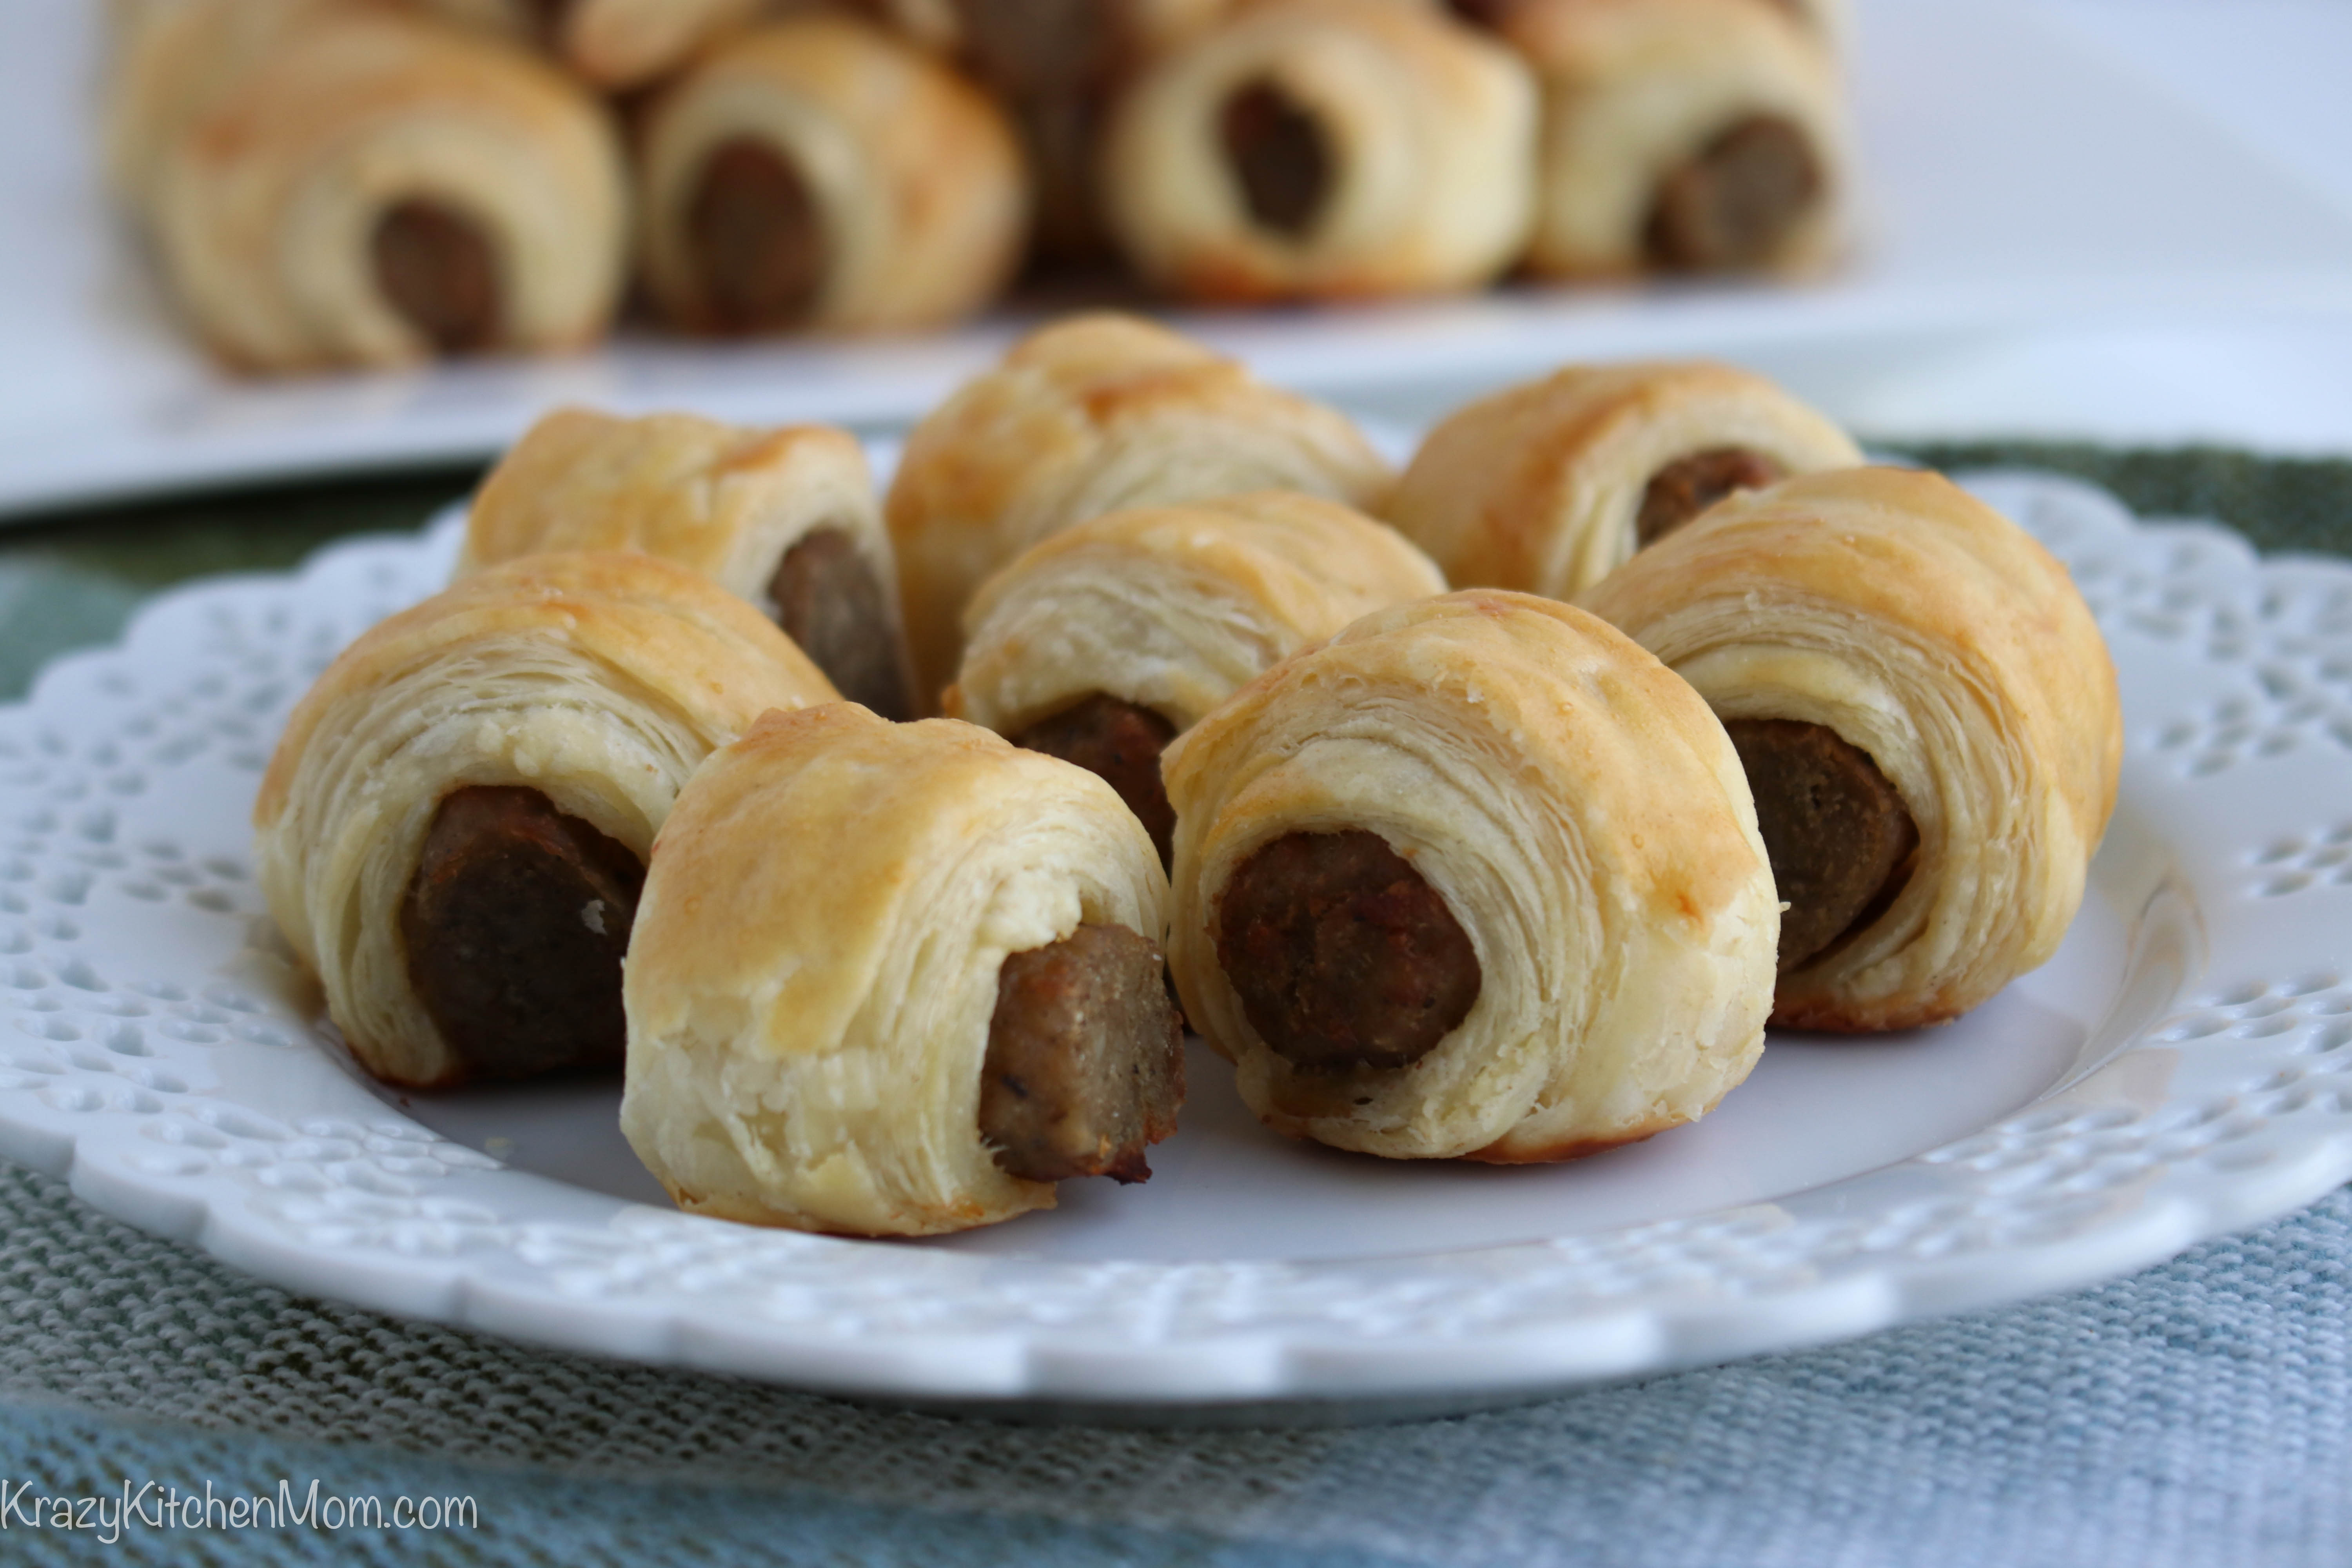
(439, 273)
(1732, 204)
(1343, 955)
(829, 601)
(1086, 1058)
(1688, 485)
(756, 238)
(515, 922)
(1838, 834)
(1121, 742)
(1279, 157)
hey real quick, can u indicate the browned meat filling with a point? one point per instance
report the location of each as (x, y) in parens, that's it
(1121, 742)
(1688, 485)
(1732, 204)
(1839, 838)
(515, 922)
(1343, 956)
(757, 239)
(830, 603)
(1086, 1058)
(1279, 157)
(438, 272)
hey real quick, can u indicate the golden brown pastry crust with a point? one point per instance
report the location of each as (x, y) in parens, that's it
(1173, 608)
(601, 680)
(1587, 823)
(726, 501)
(815, 961)
(1633, 88)
(1939, 639)
(1085, 416)
(267, 204)
(1537, 486)
(1427, 127)
(913, 176)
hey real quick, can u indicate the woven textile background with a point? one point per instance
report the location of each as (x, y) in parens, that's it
(2199, 1413)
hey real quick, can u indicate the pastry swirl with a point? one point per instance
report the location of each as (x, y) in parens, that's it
(1875, 632)
(1477, 878)
(1143, 621)
(822, 174)
(1088, 415)
(380, 189)
(1325, 149)
(455, 820)
(895, 980)
(1550, 486)
(615, 44)
(785, 518)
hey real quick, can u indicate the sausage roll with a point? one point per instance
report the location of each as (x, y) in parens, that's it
(380, 189)
(1477, 878)
(894, 980)
(1928, 720)
(454, 827)
(1325, 148)
(615, 44)
(786, 519)
(1550, 486)
(1102, 643)
(822, 173)
(1682, 136)
(1087, 416)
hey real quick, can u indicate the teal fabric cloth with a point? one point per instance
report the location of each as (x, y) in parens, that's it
(2198, 1412)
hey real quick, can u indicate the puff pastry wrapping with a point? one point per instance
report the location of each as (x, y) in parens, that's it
(1167, 610)
(822, 173)
(1682, 136)
(1325, 149)
(170, 62)
(615, 44)
(380, 189)
(1549, 485)
(816, 961)
(1088, 415)
(599, 680)
(1940, 639)
(1586, 822)
(784, 518)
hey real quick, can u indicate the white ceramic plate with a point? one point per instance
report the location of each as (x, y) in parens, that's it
(2015, 178)
(2183, 1067)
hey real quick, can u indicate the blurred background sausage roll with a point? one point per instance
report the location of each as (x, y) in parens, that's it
(1682, 136)
(1477, 878)
(1928, 720)
(821, 174)
(454, 827)
(170, 62)
(786, 519)
(1088, 415)
(895, 980)
(615, 44)
(1549, 485)
(380, 189)
(1325, 149)
(1103, 642)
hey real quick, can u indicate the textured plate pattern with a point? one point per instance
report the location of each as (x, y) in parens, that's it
(156, 1045)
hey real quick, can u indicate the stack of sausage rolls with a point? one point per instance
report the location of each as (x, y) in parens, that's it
(1488, 811)
(379, 182)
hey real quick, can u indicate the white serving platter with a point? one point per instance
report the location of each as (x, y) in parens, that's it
(2183, 1067)
(2022, 191)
